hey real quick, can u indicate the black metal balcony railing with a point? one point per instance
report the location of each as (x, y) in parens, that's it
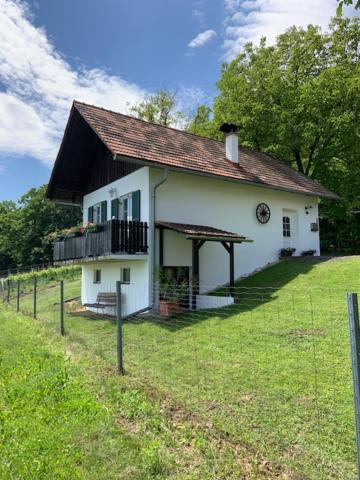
(113, 237)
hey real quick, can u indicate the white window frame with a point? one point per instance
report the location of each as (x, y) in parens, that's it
(97, 213)
(125, 213)
(286, 222)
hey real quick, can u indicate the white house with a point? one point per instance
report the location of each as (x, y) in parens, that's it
(166, 197)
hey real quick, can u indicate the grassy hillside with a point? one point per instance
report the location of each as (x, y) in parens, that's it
(261, 389)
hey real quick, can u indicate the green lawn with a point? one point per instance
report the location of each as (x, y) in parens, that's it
(261, 389)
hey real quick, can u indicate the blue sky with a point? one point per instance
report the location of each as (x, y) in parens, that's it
(113, 53)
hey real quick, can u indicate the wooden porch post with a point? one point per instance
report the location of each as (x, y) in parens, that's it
(196, 245)
(230, 249)
(232, 274)
(195, 273)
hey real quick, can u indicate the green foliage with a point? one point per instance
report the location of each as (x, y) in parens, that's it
(159, 108)
(341, 4)
(173, 285)
(49, 274)
(24, 226)
(300, 100)
(202, 123)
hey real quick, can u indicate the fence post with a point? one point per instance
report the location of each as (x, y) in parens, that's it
(18, 296)
(62, 325)
(353, 313)
(34, 312)
(119, 329)
(8, 291)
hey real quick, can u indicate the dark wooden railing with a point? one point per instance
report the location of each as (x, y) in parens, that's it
(113, 237)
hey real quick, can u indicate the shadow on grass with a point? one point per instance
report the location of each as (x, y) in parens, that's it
(250, 293)
(258, 289)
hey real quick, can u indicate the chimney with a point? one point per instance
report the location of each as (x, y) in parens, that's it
(231, 141)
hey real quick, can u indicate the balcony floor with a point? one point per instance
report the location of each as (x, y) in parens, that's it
(105, 258)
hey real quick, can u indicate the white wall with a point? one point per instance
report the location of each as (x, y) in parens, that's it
(230, 206)
(138, 180)
(200, 200)
(135, 296)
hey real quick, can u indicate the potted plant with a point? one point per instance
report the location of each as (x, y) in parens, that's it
(89, 227)
(73, 232)
(308, 253)
(172, 290)
(287, 252)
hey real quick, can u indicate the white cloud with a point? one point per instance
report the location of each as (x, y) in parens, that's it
(198, 12)
(189, 98)
(249, 20)
(40, 86)
(201, 38)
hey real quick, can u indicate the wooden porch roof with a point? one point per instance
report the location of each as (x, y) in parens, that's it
(203, 232)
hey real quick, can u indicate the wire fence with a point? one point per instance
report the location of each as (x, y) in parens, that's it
(267, 369)
(26, 268)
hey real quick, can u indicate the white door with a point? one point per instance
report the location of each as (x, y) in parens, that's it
(290, 228)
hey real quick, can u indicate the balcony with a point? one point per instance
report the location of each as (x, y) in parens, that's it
(115, 237)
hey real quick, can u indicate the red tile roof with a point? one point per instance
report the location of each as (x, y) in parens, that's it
(168, 147)
(202, 231)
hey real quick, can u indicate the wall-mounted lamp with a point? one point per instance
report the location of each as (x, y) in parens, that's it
(113, 192)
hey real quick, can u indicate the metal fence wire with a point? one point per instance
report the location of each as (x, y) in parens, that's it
(268, 369)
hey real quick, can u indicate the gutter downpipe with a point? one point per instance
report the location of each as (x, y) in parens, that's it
(153, 236)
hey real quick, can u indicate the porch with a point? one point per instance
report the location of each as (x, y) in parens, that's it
(198, 235)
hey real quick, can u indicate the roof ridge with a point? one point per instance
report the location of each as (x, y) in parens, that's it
(245, 147)
(149, 123)
(278, 172)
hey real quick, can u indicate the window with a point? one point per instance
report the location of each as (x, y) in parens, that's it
(125, 275)
(97, 276)
(97, 213)
(286, 227)
(126, 207)
(129, 206)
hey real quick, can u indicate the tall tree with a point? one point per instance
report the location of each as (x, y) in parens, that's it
(202, 123)
(300, 100)
(24, 225)
(159, 108)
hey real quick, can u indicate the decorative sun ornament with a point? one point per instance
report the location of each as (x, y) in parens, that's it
(263, 213)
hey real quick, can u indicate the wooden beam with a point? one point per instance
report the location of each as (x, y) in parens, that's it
(200, 243)
(226, 246)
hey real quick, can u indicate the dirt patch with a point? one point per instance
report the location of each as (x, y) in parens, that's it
(300, 333)
(306, 332)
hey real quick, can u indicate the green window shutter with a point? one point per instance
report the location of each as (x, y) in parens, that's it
(115, 208)
(103, 211)
(136, 205)
(90, 214)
